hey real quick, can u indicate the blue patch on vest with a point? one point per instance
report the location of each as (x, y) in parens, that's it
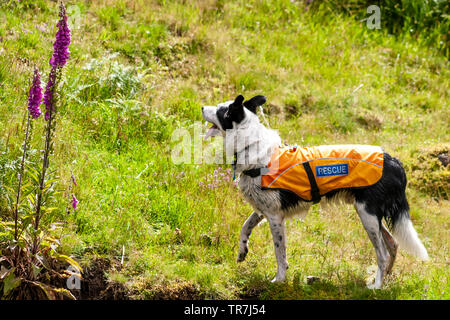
(332, 170)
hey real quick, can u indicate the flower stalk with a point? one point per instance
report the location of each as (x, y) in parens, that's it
(72, 201)
(22, 166)
(57, 62)
(34, 100)
(49, 100)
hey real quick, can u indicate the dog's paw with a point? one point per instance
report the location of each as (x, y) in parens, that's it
(373, 286)
(241, 256)
(278, 279)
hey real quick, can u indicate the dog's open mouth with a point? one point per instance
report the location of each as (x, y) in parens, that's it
(212, 131)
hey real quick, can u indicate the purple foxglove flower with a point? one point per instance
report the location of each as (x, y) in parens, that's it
(74, 202)
(62, 42)
(48, 95)
(35, 96)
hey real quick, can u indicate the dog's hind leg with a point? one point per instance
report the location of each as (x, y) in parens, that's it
(373, 228)
(391, 245)
(277, 227)
(246, 230)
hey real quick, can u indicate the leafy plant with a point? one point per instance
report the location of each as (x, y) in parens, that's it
(31, 267)
(30, 272)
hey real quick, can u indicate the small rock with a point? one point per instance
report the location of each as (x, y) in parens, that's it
(311, 279)
(444, 158)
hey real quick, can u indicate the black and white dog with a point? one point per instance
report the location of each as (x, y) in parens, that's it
(252, 143)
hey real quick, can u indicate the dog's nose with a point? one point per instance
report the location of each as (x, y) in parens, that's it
(203, 108)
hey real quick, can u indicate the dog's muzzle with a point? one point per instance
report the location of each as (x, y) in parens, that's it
(209, 113)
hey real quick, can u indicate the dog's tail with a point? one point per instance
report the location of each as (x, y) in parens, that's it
(400, 221)
(404, 232)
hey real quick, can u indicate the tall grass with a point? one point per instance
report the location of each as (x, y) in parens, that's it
(141, 69)
(426, 21)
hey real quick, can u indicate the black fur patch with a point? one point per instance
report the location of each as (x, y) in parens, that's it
(236, 110)
(233, 113)
(387, 198)
(225, 121)
(288, 199)
(254, 102)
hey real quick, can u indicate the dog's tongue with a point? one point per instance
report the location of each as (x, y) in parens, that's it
(210, 132)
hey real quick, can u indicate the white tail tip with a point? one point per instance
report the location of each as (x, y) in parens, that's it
(407, 238)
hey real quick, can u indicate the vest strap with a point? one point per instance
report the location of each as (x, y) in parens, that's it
(315, 193)
(255, 172)
(252, 172)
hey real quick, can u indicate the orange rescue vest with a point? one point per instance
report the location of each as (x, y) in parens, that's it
(312, 172)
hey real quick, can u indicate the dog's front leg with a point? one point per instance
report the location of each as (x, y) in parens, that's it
(247, 228)
(277, 228)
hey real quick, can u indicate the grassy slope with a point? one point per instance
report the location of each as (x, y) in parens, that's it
(140, 69)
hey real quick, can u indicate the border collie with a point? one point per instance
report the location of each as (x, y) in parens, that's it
(252, 145)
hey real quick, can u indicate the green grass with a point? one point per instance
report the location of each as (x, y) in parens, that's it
(141, 69)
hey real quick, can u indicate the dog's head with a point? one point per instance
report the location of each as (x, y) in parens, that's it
(231, 115)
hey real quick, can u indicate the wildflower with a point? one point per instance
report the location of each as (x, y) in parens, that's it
(58, 59)
(74, 202)
(62, 42)
(48, 95)
(35, 95)
(41, 27)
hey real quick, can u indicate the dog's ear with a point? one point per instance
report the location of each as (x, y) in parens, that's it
(236, 109)
(255, 102)
(238, 101)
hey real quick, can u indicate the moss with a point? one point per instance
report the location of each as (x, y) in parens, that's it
(428, 173)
